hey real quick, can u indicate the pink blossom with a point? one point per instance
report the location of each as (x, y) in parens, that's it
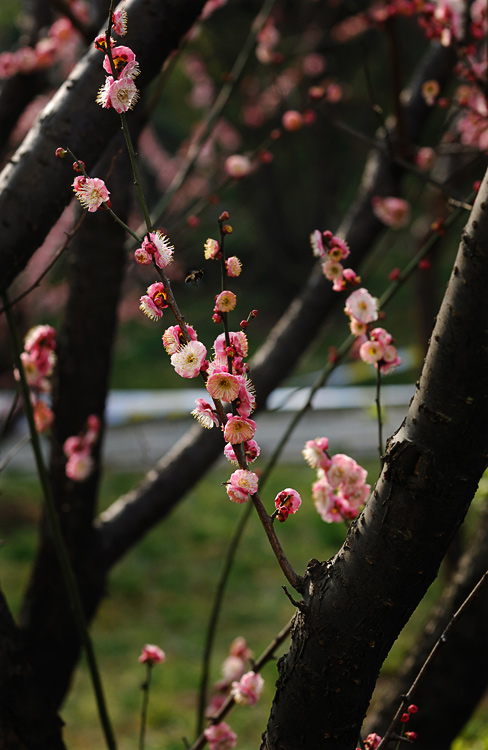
(121, 55)
(242, 484)
(239, 648)
(233, 266)
(211, 248)
(287, 502)
(79, 466)
(392, 211)
(122, 94)
(317, 244)
(173, 338)
(225, 301)
(315, 453)
(189, 360)
(155, 246)
(333, 271)
(372, 741)
(425, 158)
(43, 416)
(239, 429)
(362, 306)
(251, 451)
(204, 414)
(153, 303)
(233, 668)
(91, 192)
(119, 22)
(248, 689)
(238, 341)
(292, 120)
(371, 352)
(220, 736)
(151, 655)
(246, 400)
(238, 166)
(223, 386)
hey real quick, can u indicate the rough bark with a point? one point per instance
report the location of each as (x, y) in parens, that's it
(356, 604)
(458, 677)
(72, 118)
(28, 721)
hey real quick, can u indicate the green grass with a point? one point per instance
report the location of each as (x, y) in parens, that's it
(162, 593)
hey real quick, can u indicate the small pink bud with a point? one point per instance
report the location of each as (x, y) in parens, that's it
(244, 324)
(394, 274)
(254, 313)
(316, 92)
(60, 153)
(227, 229)
(309, 116)
(412, 709)
(265, 157)
(224, 216)
(292, 120)
(78, 166)
(411, 736)
(424, 264)
(275, 134)
(217, 318)
(405, 717)
(193, 221)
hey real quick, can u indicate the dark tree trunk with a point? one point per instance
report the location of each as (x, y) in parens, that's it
(458, 677)
(356, 604)
(28, 721)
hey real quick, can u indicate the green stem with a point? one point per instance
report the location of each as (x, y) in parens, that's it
(145, 702)
(58, 539)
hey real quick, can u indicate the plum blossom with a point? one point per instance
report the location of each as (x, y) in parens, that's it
(248, 689)
(315, 453)
(233, 266)
(204, 414)
(78, 449)
(251, 451)
(173, 338)
(211, 249)
(220, 736)
(287, 502)
(154, 301)
(242, 484)
(361, 306)
(91, 192)
(225, 301)
(379, 350)
(292, 120)
(223, 386)
(239, 429)
(238, 166)
(392, 211)
(119, 22)
(155, 246)
(121, 94)
(189, 360)
(430, 92)
(151, 655)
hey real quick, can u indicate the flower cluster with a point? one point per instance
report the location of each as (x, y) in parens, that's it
(376, 346)
(155, 248)
(119, 90)
(331, 250)
(340, 490)
(78, 450)
(220, 736)
(38, 360)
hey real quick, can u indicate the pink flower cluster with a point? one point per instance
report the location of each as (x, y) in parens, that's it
(78, 449)
(340, 490)
(58, 45)
(242, 484)
(119, 90)
(220, 736)
(38, 360)
(331, 250)
(375, 347)
(151, 655)
(155, 248)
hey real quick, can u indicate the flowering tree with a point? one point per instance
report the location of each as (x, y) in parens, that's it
(352, 607)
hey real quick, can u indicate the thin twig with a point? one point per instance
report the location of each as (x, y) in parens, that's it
(408, 697)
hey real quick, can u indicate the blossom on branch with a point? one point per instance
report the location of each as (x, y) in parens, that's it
(91, 192)
(154, 301)
(151, 655)
(242, 484)
(287, 502)
(189, 360)
(248, 689)
(239, 429)
(220, 736)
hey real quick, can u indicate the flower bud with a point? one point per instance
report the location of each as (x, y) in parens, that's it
(61, 153)
(224, 216)
(227, 229)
